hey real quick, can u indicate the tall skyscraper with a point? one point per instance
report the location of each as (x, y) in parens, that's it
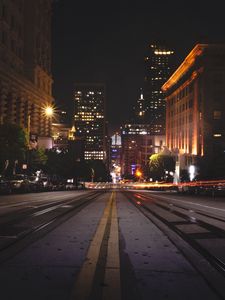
(139, 110)
(139, 140)
(25, 64)
(115, 157)
(115, 150)
(158, 63)
(89, 119)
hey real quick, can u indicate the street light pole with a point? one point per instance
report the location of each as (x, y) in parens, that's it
(25, 167)
(92, 174)
(28, 128)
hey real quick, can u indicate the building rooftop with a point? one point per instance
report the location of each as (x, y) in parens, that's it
(188, 62)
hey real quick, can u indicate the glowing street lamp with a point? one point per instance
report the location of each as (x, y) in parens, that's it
(49, 111)
(138, 174)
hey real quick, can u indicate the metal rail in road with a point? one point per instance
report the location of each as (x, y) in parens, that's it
(17, 231)
(200, 235)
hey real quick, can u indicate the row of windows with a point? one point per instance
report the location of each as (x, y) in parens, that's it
(92, 114)
(217, 115)
(5, 8)
(11, 20)
(181, 108)
(88, 93)
(44, 85)
(181, 121)
(181, 94)
(12, 44)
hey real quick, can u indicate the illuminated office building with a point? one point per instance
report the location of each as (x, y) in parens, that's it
(25, 64)
(115, 157)
(89, 119)
(195, 105)
(158, 63)
(116, 149)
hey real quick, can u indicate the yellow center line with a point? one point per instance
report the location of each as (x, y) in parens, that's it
(112, 272)
(83, 285)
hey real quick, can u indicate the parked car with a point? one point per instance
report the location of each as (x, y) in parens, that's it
(70, 186)
(19, 183)
(5, 187)
(47, 184)
(80, 186)
(36, 184)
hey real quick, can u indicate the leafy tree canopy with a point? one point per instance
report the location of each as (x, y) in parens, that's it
(159, 164)
(37, 159)
(13, 145)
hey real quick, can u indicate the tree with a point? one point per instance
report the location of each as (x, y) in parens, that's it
(159, 164)
(37, 159)
(99, 170)
(62, 165)
(13, 147)
(55, 161)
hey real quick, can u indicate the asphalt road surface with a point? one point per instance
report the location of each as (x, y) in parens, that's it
(111, 244)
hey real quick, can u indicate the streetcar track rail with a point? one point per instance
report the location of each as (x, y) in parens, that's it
(185, 208)
(196, 214)
(33, 206)
(168, 226)
(11, 244)
(217, 232)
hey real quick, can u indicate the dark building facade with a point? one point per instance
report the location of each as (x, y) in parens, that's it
(138, 144)
(158, 63)
(89, 119)
(25, 64)
(195, 106)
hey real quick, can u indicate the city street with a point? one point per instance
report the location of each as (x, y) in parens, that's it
(106, 243)
(112, 150)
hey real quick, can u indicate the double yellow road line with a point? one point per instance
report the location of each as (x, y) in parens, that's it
(84, 283)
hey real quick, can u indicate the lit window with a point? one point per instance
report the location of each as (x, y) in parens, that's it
(217, 135)
(217, 114)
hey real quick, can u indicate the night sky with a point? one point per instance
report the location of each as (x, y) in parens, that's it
(106, 42)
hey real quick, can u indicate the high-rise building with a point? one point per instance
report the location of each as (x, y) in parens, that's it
(195, 106)
(115, 149)
(158, 63)
(89, 119)
(139, 110)
(115, 157)
(139, 141)
(138, 144)
(25, 64)
(62, 132)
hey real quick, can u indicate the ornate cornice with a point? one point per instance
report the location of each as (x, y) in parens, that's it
(185, 66)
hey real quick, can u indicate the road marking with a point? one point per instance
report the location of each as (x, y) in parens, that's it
(84, 283)
(189, 202)
(9, 236)
(111, 289)
(44, 211)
